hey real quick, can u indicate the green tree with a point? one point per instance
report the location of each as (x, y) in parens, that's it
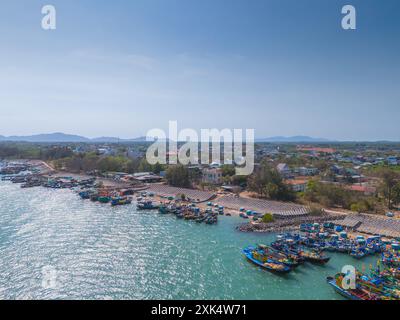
(178, 176)
(228, 170)
(396, 194)
(268, 183)
(390, 179)
(268, 218)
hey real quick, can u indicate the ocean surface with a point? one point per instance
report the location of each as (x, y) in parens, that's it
(53, 245)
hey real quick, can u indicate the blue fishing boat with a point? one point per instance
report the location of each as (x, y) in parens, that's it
(345, 293)
(263, 261)
(120, 201)
(147, 205)
(358, 253)
(286, 259)
(163, 209)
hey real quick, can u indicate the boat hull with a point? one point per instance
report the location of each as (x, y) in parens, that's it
(342, 292)
(247, 254)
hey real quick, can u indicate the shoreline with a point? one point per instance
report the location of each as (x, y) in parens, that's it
(287, 223)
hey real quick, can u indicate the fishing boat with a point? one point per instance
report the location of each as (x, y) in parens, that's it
(104, 199)
(211, 219)
(314, 256)
(120, 201)
(163, 209)
(281, 257)
(352, 294)
(358, 254)
(147, 205)
(263, 261)
(394, 273)
(85, 194)
(190, 216)
(200, 219)
(379, 286)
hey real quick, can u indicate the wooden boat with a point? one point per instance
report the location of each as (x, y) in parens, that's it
(290, 251)
(393, 273)
(147, 205)
(314, 256)
(264, 262)
(358, 253)
(352, 294)
(378, 286)
(163, 209)
(85, 194)
(211, 219)
(190, 216)
(120, 201)
(281, 257)
(104, 199)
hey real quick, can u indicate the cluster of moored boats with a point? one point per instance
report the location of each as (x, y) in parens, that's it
(381, 283)
(192, 212)
(289, 250)
(116, 197)
(14, 169)
(89, 189)
(184, 211)
(378, 285)
(30, 180)
(145, 202)
(283, 255)
(332, 238)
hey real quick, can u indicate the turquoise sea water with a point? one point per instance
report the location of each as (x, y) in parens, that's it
(94, 251)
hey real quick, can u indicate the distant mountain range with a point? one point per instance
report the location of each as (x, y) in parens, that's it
(62, 137)
(293, 139)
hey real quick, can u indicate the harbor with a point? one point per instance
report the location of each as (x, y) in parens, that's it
(102, 226)
(379, 281)
(104, 252)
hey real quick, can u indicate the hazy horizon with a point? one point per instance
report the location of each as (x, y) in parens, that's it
(289, 139)
(283, 68)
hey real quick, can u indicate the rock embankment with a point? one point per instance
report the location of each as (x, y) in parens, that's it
(287, 224)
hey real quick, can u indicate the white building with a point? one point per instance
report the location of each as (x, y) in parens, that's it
(304, 171)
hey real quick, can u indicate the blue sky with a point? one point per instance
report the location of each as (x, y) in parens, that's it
(120, 68)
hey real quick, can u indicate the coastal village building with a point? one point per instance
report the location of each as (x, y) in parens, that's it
(365, 189)
(146, 177)
(304, 171)
(392, 161)
(315, 149)
(212, 175)
(297, 185)
(106, 151)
